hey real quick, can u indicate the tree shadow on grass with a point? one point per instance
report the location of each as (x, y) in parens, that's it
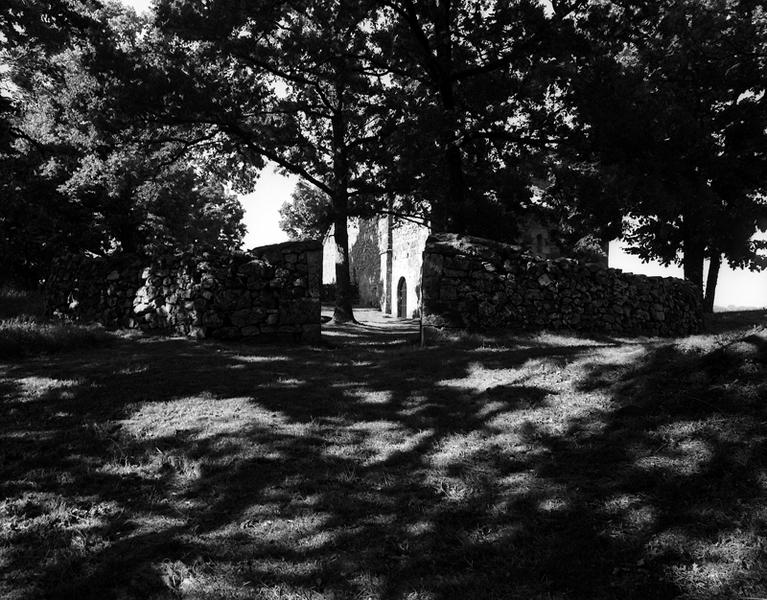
(375, 468)
(687, 439)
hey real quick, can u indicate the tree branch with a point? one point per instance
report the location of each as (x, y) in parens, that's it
(246, 138)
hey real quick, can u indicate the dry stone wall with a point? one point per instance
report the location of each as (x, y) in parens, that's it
(265, 293)
(476, 284)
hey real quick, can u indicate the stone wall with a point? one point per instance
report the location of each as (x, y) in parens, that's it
(265, 293)
(475, 284)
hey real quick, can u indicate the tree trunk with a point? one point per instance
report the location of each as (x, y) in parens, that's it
(126, 223)
(342, 313)
(692, 264)
(448, 213)
(455, 212)
(692, 261)
(435, 55)
(438, 217)
(715, 262)
(386, 305)
(456, 196)
(126, 233)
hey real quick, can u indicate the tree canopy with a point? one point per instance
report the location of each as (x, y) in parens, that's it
(476, 86)
(672, 128)
(81, 177)
(308, 214)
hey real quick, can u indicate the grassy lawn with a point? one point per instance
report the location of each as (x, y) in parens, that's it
(548, 467)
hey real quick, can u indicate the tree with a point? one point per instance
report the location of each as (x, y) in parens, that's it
(140, 207)
(671, 113)
(30, 32)
(477, 86)
(292, 85)
(82, 176)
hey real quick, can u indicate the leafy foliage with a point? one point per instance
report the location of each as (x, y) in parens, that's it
(673, 127)
(81, 174)
(308, 215)
(477, 88)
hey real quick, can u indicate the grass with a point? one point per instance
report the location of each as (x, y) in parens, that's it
(548, 466)
(24, 332)
(22, 337)
(17, 303)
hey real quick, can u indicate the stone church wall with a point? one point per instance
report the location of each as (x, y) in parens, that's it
(536, 237)
(365, 248)
(366, 263)
(266, 293)
(476, 284)
(408, 241)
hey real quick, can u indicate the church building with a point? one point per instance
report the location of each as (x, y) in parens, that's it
(386, 254)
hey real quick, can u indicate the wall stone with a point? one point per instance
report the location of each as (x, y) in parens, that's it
(476, 284)
(265, 293)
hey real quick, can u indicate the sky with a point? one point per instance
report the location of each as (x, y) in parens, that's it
(736, 289)
(139, 5)
(262, 208)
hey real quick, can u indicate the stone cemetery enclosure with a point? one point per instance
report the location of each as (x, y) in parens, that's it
(264, 293)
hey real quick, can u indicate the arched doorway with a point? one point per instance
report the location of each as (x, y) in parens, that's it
(402, 298)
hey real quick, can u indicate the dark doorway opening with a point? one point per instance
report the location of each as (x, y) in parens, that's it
(402, 298)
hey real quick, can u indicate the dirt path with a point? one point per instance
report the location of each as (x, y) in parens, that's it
(372, 328)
